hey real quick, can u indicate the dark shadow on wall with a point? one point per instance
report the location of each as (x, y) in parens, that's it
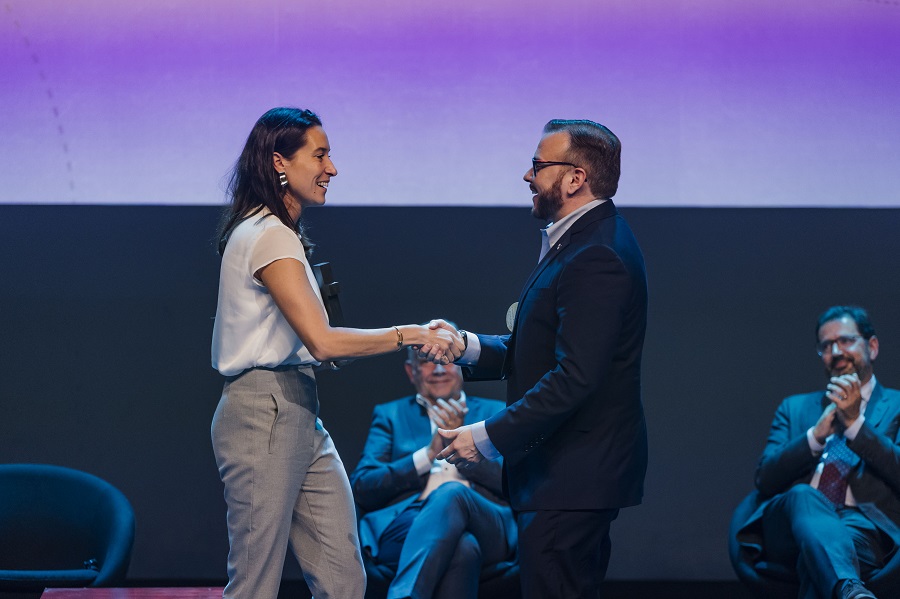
(107, 314)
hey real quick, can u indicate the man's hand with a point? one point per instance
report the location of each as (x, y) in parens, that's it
(438, 443)
(461, 452)
(825, 426)
(845, 394)
(448, 414)
(431, 352)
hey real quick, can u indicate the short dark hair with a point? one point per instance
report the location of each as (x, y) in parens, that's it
(855, 313)
(254, 183)
(594, 148)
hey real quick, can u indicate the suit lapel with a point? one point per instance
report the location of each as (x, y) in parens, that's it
(417, 423)
(604, 210)
(875, 412)
(814, 410)
(877, 407)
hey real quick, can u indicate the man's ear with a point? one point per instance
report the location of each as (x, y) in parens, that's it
(873, 347)
(409, 372)
(577, 179)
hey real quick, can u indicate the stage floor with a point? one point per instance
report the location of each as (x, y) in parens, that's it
(297, 590)
(145, 593)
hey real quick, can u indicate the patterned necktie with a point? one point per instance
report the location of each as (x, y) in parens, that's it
(837, 459)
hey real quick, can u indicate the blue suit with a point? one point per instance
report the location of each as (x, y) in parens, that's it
(385, 483)
(787, 466)
(573, 435)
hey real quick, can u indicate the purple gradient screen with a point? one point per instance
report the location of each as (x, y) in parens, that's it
(717, 103)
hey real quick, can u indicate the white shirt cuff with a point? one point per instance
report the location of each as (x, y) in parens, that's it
(853, 429)
(814, 445)
(421, 461)
(473, 350)
(483, 442)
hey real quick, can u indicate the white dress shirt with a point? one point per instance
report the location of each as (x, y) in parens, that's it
(439, 471)
(249, 329)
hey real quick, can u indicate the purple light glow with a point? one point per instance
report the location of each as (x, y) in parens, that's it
(744, 103)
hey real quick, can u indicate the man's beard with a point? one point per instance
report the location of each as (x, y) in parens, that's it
(849, 367)
(861, 367)
(548, 203)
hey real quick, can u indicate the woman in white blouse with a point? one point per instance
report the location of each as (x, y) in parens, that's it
(284, 482)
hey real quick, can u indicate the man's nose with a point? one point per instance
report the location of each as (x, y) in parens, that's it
(439, 369)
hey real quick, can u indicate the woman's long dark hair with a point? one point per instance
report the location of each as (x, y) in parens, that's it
(253, 183)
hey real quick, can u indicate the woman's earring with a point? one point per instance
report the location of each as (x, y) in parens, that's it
(282, 178)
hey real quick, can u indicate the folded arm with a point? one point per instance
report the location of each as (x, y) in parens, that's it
(786, 458)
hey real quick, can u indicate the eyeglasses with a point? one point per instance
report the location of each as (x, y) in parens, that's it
(537, 165)
(844, 342)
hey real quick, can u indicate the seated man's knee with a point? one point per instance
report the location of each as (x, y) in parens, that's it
(449, 493)
(803, 493)
(803, 500)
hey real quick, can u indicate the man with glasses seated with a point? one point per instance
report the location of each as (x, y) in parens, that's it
(434, 525)
(829, 477)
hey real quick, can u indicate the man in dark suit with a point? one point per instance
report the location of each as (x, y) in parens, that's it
(434, 525)
(829, 476)
(573, 435)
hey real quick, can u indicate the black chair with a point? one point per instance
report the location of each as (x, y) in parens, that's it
(61, 528)
(768, 580)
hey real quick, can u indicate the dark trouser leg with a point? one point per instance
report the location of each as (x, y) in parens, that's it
(461, 578)
(564, 553)
(451, 510)
(464, 570)
(390, 544)
(872, 547)
(802, 529)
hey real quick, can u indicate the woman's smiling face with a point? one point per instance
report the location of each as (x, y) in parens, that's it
(308, 171)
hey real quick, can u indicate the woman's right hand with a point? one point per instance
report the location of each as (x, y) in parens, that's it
(443, 343)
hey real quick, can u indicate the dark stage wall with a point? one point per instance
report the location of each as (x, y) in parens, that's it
(107, 314)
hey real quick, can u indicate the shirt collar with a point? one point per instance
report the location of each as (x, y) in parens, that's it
(556, 230)
(866, 390)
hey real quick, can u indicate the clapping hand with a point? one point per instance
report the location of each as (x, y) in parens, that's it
(845, 394)
(448, 414)
(824, 428)
(445, 414)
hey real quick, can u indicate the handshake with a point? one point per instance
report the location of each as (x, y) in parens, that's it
(444, 343)
(456, 445)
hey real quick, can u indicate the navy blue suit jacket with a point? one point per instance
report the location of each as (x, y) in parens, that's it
(385, 481)
(573, 435)
(875, 479)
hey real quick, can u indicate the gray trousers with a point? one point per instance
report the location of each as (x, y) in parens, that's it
(284, 485)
